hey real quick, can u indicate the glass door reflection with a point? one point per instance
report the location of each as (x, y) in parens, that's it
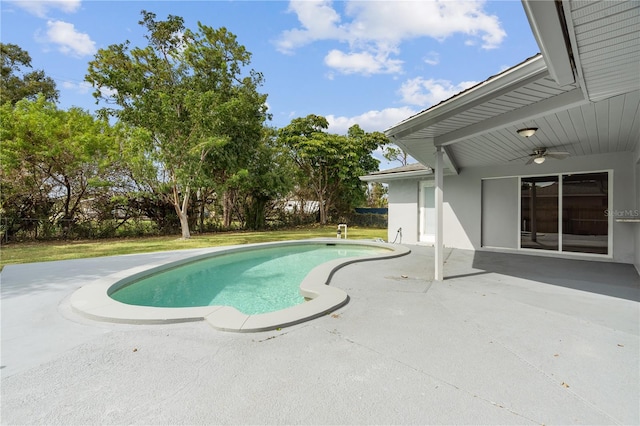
(539, 212)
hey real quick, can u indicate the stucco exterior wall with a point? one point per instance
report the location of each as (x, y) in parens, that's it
(463, 202)
(637, 189)
(500, 213)
(403, 210)
(623, 193)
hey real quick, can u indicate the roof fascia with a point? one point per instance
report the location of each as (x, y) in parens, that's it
(396, 176)
(547, 26)
(517, 76)
(574, 48)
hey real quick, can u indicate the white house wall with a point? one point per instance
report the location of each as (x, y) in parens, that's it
(403, 210)
(500, 213)
(463, 201)
(637, 193)
(463, 197)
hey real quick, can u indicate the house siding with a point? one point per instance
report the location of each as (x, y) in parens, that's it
(463, 201)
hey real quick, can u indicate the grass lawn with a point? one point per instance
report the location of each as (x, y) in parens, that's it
(63, 250)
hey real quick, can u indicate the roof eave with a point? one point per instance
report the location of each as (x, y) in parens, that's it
(396, 176)
(532, 68)
(547, 26)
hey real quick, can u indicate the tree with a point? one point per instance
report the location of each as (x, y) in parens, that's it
(377, 195)
(269, 177)
(395, 153)
(14, 86)
(363, 163)
(329, 164)
(59, 158)
(190, 92)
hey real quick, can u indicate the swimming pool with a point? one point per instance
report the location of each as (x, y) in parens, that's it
(253, 282)
(314, 297)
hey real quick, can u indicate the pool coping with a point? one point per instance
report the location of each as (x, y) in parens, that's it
(93, 301)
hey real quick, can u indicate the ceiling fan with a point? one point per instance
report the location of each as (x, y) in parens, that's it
(539, 155)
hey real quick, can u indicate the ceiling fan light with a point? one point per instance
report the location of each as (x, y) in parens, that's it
(539, 160)
(528, 132)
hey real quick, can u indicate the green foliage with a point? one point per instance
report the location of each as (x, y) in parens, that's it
(52, 161)
(377, 195)
(192, 95)
(330, 165)
(189, 145)
(395, 153)
(16, 84)
(269, 177)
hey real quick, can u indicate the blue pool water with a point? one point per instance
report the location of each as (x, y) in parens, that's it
(254, 282)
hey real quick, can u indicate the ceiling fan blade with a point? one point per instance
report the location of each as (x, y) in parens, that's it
(530, 160)
(558, 155)
(520, 158)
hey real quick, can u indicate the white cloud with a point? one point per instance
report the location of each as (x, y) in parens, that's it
(394, 21)
(366, 63)
(82, 88)
(319, 22)
(433, 58)
(41, 7)
(68, 40)
(370, 121)
(375, 29)
(107, 92)
(85, 87)
(427, 92)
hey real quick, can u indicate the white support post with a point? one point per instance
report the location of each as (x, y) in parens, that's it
(439, 244)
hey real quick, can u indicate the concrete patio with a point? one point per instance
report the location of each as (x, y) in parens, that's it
(505, 339)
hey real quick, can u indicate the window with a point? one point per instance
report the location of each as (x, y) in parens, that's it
(565, 212)
(585, 198)
(539, 212)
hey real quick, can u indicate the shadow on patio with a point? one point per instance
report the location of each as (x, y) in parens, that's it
(606, 278)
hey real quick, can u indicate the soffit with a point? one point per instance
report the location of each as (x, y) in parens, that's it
(610, 125)
(586, 128)
(527, 95)
(605, 39)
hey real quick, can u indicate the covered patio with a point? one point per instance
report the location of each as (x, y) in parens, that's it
(565, 118)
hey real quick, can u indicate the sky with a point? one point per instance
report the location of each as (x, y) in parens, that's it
(372, 63)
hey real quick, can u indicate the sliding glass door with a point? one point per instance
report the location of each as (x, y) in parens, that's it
(585, 226)
(539, 212)
(565, 212)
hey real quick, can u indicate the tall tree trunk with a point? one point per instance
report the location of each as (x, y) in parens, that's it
(201, 198)
(227, 209)
(66, 218)
(181, 210)
(184, 224)
(255, 215)
(323, 209)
